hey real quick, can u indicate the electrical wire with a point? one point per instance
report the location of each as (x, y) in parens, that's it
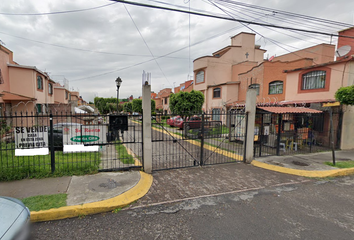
(142, 37)
(59, 12)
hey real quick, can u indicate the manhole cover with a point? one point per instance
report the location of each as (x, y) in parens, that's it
(298, 163)
(103, 185)
(110, 184)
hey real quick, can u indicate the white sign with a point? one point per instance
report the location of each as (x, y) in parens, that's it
(74, 137)
(31, 141)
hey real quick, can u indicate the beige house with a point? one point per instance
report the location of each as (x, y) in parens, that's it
(24, 88)
(216, 76)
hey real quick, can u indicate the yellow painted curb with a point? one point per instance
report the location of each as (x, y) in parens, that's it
(305, 173)
(133, 194)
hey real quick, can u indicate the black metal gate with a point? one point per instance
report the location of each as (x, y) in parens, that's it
(295, 133)
(194, 140)
(66, 144)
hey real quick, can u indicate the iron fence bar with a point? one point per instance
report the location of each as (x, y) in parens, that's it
(279, 133)
(202, 141)
(261, 136)
(52, 152)
(245, 139)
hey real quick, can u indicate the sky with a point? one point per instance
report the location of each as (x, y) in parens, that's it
(104, 40)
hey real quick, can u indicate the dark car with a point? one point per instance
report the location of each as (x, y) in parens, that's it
(192, 123)
(14, 219)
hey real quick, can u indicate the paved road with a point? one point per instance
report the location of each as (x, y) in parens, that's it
(311, 210)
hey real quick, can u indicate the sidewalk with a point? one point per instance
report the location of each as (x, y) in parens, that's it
(307, 165)
(104, 192)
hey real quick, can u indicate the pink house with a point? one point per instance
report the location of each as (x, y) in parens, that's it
(23, 88)
(216, 76)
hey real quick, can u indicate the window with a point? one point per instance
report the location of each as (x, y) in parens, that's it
(255, 86)
(39, 83)
(313, 80)
(276, 87)
(165, 100)
(39, 108)
(199, 76)
(216, 114)
(216, 93)
(66, 94)
(50, 88)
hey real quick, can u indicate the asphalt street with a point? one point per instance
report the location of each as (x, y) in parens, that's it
(314, 209)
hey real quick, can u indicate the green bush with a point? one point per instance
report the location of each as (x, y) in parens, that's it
(345, 95)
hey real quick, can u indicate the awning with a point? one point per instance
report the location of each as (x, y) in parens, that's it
(8, 96)
(289, 110)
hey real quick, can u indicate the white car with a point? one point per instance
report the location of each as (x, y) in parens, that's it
(14, 219)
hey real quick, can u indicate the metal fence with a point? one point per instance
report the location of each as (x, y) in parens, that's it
(189, 140)
(35, 145)
(295, 133)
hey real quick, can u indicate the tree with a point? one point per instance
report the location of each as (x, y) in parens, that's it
(107, 105)
(185, 103)
(345, 95)
(128, 107)
(137, 106)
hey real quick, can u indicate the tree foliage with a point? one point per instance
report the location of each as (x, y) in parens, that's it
(345, 95)
(137, 106)
(107, 105)
(183, 103)
(128, 107)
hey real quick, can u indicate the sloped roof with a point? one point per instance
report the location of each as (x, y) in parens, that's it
(289, 110)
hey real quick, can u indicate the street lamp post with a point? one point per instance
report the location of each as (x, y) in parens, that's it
(118, 83)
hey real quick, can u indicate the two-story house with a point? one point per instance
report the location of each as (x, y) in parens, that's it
(24, 88)
(216, 76)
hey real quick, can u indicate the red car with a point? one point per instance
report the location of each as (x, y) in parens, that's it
(171, 121)
(193, 122)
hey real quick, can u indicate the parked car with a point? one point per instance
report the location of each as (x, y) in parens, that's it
(14, 219)
(171, 121)
(192, 123)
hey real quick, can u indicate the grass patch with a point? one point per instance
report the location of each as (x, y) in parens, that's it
(45, 202)
(19, 167)
(346, 164)
(123, 155)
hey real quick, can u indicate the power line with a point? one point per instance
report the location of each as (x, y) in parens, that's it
(146, 43)
(231, 19)
(81, 49)
(59, 12)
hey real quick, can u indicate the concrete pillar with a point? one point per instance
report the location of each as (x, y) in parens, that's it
(251, 101)
(147, 145)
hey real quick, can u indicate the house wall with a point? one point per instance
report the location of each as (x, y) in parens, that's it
(321, 53)
(338, 77)
(5, 57)
(219, 68)
(23, 81)
(59, 95)
(346, 41)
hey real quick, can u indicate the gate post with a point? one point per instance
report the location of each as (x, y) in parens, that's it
(251, 99)
(147, 145)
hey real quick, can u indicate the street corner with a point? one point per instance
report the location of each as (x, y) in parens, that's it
(122, 200)
(304, 173)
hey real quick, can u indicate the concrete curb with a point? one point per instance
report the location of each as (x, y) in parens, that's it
(305, 173)
(133, 194)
